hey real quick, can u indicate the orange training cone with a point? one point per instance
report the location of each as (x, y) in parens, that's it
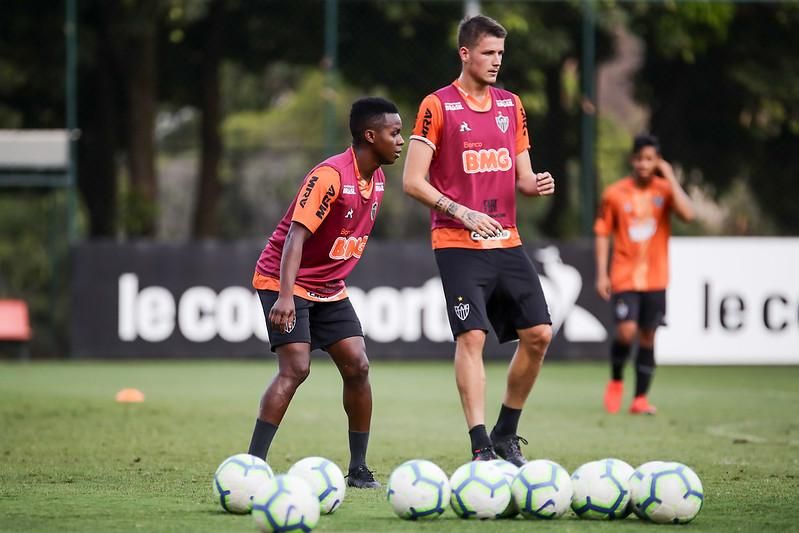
(130, 396)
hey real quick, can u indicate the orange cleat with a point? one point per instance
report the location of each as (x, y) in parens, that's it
(613, 394)
(641, 406)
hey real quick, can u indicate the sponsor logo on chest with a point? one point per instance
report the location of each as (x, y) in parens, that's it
(486, 160)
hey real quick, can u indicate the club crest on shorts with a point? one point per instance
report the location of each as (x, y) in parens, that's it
(461, 310)
(290, 326)
(503, 121)
(622, 309)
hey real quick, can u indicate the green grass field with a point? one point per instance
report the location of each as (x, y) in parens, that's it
(73, 459)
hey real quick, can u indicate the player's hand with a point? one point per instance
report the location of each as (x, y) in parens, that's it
(481, 223)
(544, 184)
(665, 169)
(603, 286)
(282, 316)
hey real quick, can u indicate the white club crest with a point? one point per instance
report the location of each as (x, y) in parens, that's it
(462, 310)
(503, 121)
(374, 210)
(289, 327)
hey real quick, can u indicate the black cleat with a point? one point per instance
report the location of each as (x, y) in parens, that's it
(484, 454)
(361, 477)
(507, 447)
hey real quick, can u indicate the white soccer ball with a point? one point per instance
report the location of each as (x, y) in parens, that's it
(602, 489)
(636, 484)
(418, 489)
(668, 493)
(479, 490)
(542, 489)
(237, 479)
(285, 503)
(325, 479)
(509, 470)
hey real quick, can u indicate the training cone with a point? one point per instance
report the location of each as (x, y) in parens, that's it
(130, 396)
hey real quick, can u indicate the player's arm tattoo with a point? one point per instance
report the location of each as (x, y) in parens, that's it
(447, 206)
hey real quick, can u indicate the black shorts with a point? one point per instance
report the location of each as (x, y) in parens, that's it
(647, 308)
(319, 324)
(498, 287)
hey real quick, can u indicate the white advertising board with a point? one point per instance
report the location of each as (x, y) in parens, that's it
(732, 301)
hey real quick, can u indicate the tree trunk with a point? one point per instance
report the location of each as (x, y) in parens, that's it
(551, 152)
(208, 190)
(142, 99)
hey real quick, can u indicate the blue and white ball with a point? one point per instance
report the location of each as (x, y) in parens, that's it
(237, 479)
(479, 490)
(418, 490)
(325, 479)
(602, 489)
(636, 484)
(285, 503)
(668, 493)
(542, 489)
(509, 470)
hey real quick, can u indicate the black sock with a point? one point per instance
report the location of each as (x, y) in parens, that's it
(644, 370)
(618, 356)
(508, 421)
(479, 437)
(359, 440)
(262, 437)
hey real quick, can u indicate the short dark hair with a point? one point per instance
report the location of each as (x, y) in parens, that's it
(471, 29)
(642, 140)
(366, 112)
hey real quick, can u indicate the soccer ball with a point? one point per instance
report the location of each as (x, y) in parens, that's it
(286, 503)
(325, 478)
(479, 490)
(542, 489)
(418, 489)
(669, 493)
(237, 479)
(509, 470)
(636, 484)
(602, 489)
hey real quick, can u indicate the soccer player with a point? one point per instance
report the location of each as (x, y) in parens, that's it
(471, 139)
(300, 278)
(635, 211)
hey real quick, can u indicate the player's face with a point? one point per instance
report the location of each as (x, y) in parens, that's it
(482, 62)
(388, 139)
(644, 163)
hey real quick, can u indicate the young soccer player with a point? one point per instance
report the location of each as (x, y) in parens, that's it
(471, 139)
(635, 212)
(300, 278)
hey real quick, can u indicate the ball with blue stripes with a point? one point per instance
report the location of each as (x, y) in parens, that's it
(237, 479)
(418, 490)
(667, 492)
(602, 489)
(325, 479)
(479, 490)
(542, 489)
(285, 503)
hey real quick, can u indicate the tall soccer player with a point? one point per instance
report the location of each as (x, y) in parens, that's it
(300, 278)
(471, 139)
(635, 211)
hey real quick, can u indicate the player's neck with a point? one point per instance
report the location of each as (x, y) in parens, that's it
(366, 162)
(472, 87)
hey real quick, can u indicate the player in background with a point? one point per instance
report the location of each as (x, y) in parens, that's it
(471, 139)
(300, 278)
(635, 212)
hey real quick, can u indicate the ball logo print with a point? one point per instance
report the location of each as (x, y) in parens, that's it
(418, 490)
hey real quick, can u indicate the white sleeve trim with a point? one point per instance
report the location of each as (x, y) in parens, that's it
(425, 140)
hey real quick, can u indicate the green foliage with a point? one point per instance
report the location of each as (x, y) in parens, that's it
(75, 460)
